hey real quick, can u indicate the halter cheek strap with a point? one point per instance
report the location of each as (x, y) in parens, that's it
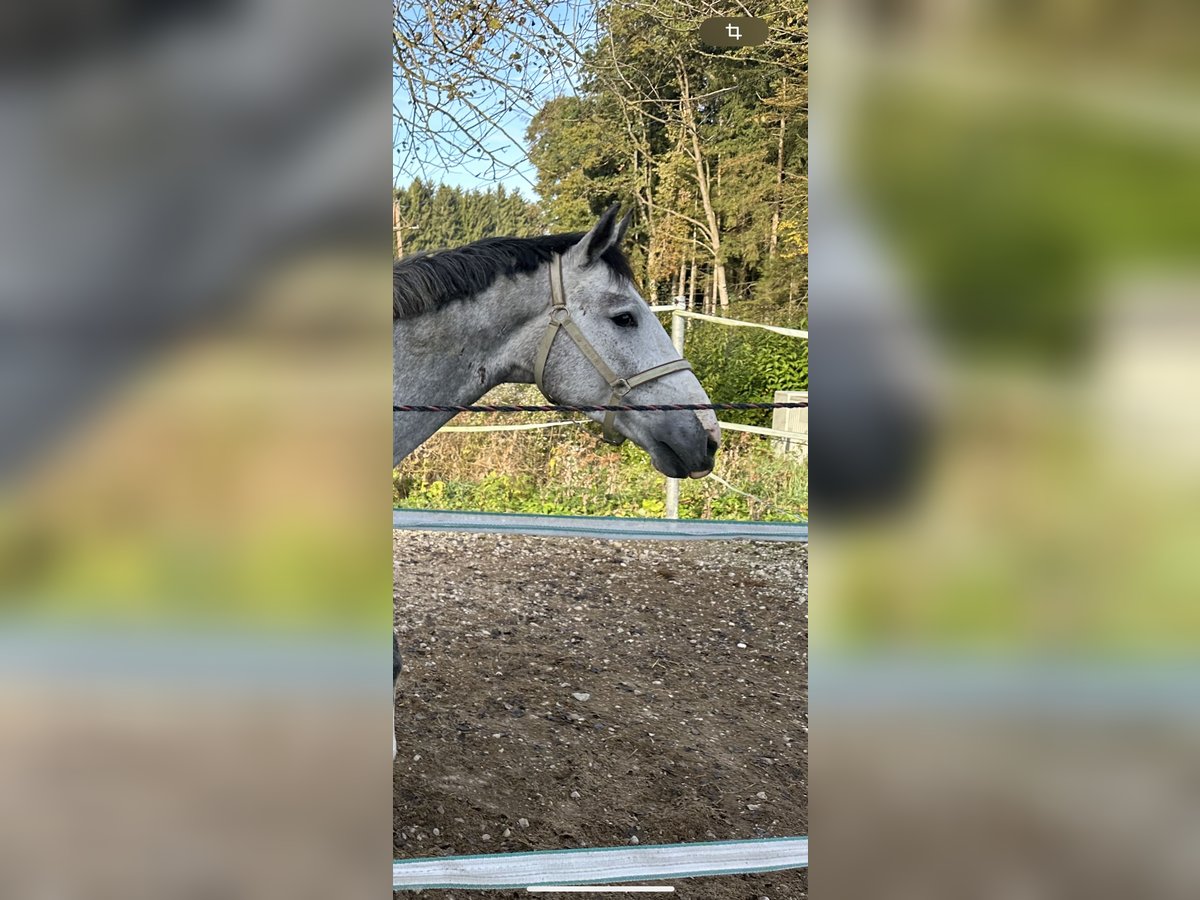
(560, 320)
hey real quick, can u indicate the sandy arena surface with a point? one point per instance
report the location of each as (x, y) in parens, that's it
(562, 693)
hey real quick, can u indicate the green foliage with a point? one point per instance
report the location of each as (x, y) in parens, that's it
(580, 168)
(431, 217)
(572, 472)
(1007, 220)
(744, 365)
(661, 128)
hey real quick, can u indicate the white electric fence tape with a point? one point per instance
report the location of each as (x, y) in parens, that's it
(528, 426)
(777, 329)
(596, 527)
(601, 865)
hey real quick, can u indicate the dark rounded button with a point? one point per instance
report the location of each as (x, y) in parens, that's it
(733, 31)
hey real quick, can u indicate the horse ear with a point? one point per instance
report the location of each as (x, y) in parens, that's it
(622, 227)
(606, 233)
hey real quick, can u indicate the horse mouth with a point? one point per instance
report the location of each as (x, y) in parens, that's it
(672, 465)
(668, 461)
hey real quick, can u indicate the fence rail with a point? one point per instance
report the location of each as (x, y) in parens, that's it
(531, 426)
(527, 426)
(737, 323)
(599, 865)
(596, 527)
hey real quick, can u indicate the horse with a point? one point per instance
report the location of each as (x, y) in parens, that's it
(560, 311)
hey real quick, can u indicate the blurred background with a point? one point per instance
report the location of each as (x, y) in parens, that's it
(1004, 276)
(1005, 272)
(193, 457)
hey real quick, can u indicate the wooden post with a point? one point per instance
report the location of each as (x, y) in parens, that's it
(691, 291)
(396, 226)
(678, 334)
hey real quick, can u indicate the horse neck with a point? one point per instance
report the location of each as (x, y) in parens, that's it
(455, 355)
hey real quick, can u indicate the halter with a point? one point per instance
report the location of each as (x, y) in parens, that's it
(560, 318)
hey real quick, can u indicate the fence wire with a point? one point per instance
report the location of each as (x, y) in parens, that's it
(605, 407)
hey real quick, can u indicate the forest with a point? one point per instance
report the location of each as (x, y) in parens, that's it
(708, 145)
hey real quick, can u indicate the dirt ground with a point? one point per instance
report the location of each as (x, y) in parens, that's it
(562, 693)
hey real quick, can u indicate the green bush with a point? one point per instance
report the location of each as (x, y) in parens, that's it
(746, 365)
(575, 473)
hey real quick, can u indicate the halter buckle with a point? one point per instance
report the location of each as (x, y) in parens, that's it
(621, 387)
(559, 315)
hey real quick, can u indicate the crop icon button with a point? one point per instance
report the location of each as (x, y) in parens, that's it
(737, 31)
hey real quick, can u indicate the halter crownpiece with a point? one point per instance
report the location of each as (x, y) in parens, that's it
(560, 318)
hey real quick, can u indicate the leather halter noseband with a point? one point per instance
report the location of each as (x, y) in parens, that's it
(560, 318)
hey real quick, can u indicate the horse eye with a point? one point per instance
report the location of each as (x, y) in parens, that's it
(625, 320)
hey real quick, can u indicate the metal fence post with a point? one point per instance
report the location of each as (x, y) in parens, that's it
(678, 333)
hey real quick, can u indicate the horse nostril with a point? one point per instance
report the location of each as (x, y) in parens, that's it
(713, 444)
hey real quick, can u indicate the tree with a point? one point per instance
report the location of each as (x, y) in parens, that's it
(711, 145)
(439, 216)
(468, 75)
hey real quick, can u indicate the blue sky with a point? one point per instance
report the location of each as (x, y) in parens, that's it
(520, 176)
(569, 16)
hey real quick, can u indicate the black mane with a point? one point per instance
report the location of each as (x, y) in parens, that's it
(427, 281)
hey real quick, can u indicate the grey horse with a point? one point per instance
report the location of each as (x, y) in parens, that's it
(559, 311)
(468, 319)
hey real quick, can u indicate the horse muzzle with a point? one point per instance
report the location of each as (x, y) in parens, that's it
(686, 450)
